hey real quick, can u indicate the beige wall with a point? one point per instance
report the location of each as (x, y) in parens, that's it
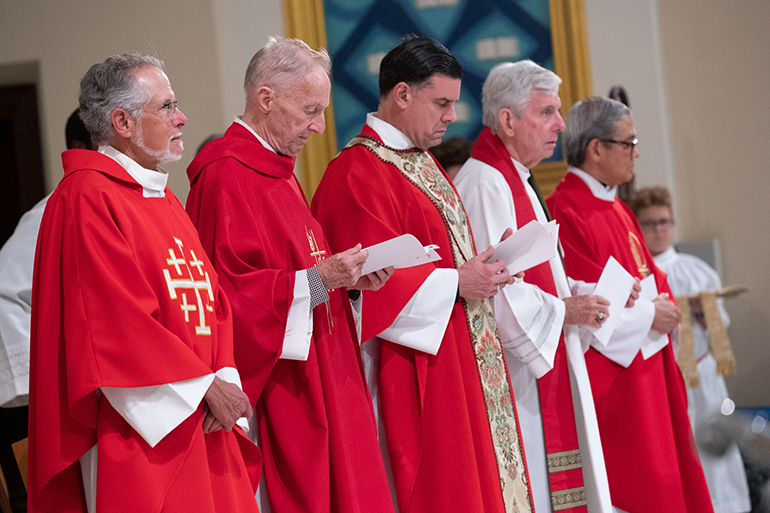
(716, 57)
(205, 44)
(624, 50)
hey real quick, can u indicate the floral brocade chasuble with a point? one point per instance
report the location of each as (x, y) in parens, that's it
(421, 170)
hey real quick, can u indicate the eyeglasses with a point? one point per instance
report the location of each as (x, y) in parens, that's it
(628, 145)
(170, 108)
(652, 224)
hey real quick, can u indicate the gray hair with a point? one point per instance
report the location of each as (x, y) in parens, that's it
(593, 118)
(510, 85)
(281, 60)
(112, 85)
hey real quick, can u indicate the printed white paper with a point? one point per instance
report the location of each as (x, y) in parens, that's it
(400, 252)
(615, 285)
(529, 246)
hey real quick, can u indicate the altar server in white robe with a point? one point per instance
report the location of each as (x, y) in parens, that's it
(687, 275)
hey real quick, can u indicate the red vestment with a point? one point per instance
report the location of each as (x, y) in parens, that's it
(317, 428)
(439, 440)
(652, 463)
(108, 310)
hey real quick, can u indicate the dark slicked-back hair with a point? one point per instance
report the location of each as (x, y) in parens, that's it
(414, 61)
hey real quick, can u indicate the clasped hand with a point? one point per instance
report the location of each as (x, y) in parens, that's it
(224, 404)
(667, 315)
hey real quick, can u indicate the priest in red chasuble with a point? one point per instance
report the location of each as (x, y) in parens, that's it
(446, 411)
(640, 398)
(538, 317)
(133, 388)
(295, 339)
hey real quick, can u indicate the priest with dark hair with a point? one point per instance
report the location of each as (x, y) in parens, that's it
(448, 419)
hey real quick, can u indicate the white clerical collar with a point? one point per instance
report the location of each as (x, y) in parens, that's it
(598, 189)
(153, 182)
(524, 173)
(666, 257)
(247, 127)
(389, 134)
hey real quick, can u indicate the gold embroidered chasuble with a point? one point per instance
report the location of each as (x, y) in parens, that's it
(421, 170)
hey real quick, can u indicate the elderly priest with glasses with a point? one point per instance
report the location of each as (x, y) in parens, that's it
(641, 405)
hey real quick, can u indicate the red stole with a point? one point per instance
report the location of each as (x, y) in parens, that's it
(561, 441)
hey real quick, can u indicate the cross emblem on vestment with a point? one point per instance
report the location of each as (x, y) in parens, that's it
(176, 262)
(191, 284)
(319, 254)
(196, 263)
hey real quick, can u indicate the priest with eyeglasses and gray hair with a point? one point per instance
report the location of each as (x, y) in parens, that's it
(640, 398)
(134, 395)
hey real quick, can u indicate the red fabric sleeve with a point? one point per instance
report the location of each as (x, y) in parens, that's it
(235, 235)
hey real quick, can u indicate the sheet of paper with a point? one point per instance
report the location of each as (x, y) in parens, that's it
(615, 285)
(655, 341)
(529, 246)
(649, 288)
(553, 229)
(400, 252)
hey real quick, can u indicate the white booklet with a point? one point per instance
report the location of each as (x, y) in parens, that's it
(400, 252)
(532, 244)
(615, 285)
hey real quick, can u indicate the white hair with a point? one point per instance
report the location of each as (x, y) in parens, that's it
(510, 85)
(281, 60)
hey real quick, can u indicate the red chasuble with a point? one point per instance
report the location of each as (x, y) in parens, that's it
(124, 296)
(316, 424)
(558, 414)
(652, 463)
(441, 445)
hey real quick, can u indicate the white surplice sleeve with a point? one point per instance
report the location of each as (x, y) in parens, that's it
(632, 333)
(299, 323)
(421, 324)
(155, 411)
(16, 265)
(529, 320)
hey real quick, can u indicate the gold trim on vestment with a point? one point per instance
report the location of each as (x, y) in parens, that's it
(421, 170)
(569, 498)
(564, 460)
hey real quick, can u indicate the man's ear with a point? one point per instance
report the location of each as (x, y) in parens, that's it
(506, 119)
(265, 99)
(594, 150)
(401, 94)
(122, 123)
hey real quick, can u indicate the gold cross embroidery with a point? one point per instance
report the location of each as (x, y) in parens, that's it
(638, 252)
(319, 254)
(190, 283)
